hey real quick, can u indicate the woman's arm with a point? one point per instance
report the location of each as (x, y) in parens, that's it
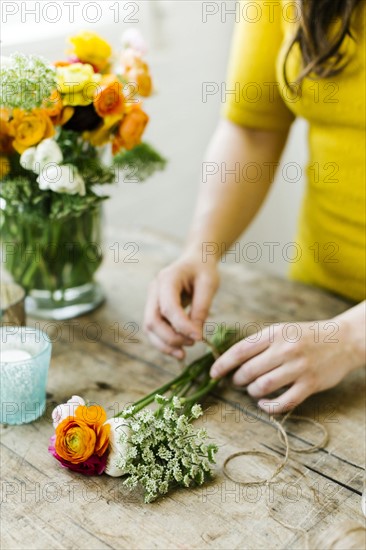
(237, 172)
(242, 163)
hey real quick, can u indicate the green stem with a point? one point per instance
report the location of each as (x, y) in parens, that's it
(187, 388)
(190, 377)
(201, 392)
(189, 374)
(144, 401)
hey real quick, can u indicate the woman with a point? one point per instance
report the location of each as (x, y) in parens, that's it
(312, 66)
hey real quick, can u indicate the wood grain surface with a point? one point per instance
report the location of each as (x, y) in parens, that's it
(106, 358)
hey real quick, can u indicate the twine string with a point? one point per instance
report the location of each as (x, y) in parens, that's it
(310, 448)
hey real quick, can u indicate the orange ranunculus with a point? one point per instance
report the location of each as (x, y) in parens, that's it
(29, 128)
(130, 130)
(92, 415)
(109, 99)
(75, 440)
(53, 105)
(102, 442)
(62, 63)
(95, 416)
(65, 115)
(135, 70)
(58, 114)
(6, 139)
(142, 79)
(4, 166)
(83, 435)
(102, 135)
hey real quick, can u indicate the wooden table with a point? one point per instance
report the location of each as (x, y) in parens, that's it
(106, 358)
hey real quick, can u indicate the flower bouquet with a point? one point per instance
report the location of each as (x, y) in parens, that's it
(154, 447)
(65, 130)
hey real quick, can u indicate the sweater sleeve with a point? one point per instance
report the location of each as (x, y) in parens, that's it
(252, 95)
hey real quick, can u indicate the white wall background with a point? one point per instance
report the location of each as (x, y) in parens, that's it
(185, 51)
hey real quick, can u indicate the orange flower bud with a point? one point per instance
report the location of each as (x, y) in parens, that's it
(109, 99)
(130, 130)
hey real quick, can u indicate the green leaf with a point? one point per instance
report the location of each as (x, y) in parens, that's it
(140, 163)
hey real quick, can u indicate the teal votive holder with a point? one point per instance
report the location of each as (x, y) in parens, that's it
(25, 355)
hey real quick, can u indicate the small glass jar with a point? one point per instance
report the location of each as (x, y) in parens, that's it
(25, 355)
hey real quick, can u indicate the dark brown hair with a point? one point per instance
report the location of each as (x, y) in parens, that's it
(321, 52)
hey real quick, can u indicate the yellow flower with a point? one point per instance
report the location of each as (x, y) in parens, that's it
(89, 47)
(77, 83)
(104, 133)
(4, 166)
(30, 128)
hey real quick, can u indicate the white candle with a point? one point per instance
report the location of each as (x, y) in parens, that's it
(13, 355)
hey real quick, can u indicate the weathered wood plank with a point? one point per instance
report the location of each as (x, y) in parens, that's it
(213, 507)
(45, 506)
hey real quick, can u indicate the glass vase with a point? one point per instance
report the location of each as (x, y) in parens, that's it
(55, 262)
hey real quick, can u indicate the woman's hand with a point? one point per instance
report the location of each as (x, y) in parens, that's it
(168, 325)
(299, 359)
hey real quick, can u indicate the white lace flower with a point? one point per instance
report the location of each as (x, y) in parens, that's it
(165, 450)
(5, 61)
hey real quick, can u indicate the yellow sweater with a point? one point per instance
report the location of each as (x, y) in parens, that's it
(331, 232)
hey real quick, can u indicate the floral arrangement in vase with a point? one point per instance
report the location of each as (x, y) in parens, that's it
(65, 130)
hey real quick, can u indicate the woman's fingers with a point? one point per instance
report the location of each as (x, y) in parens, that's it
(239, 354)
(169, 336)
(287, 401)
(203, 293)
(256, 367)
(154, 325)
(272, 381)
(170, 307)
(166, 321)
(165, 348)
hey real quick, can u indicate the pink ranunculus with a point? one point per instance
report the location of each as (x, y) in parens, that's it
(61, 412)
(132, 38)
(129, 59)
(93, 466)
(72, 59)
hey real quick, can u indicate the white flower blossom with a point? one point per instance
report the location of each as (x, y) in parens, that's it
(5, 61)
(37, 159)
(118, 446)
(176, 402)
(62, 179)
(164, 450)
(64, 410)
(47, 152)
(27, 159)
(132, 38)
(196, 411)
